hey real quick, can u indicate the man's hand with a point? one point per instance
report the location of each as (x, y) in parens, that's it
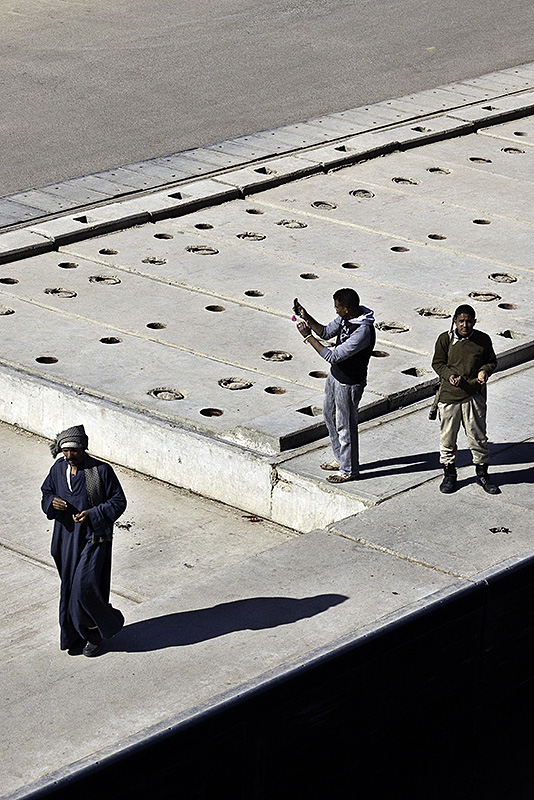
(454, 379)
(303, 329)
(482, 376)
(83, 516)
(58, 504)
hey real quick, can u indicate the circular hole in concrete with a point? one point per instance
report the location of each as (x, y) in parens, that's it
(379, 354)
(265, 171)
(67, 265)
(254, 211)
(438, 313)
(154, 260)
(507, 306)
(253, 293)
(480, 160)
(107, 251)
(324, 205)
(392, 327)
(164, 393)
(520, 133)
(234, 384)
(211, 412)
(411, 181)
(416, 372)
(422, 129)
(399, 249)
(202, 249)
(502, 277)
(308, 276)
(110, 340)
(490, 108)
(215, 308)
(203, 226)
(482, 221)
(318, 373)
(508, 334)
(111, 280)
(46, 360)
(156, 326)
(276, 355)
(163, 236)
(8, 281)
(436, 236)
(250, 236)
(60, 292)
(5, 311)
(512, 150)
(364, 193)
(439, 170)
(350, 265)
(484, 297)
(292, 223)
(274, 390)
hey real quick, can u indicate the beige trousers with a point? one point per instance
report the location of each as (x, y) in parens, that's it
(471, 413)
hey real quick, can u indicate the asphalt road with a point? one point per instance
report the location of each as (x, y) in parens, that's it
(93, 85)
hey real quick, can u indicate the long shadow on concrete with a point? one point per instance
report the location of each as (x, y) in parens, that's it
(190, 627)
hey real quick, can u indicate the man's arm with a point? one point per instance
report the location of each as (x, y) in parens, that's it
(440, 359)
(104, 515)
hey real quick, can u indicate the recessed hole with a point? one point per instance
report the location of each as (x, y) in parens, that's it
(310, 411)
(110, 340)
(60, 292)
(438, 313)
(265, 171)
(277, 355)
(399, 249)
(176, 196)
(308, 276)
(422, 129)
(411, 181)
(211, 412)
(203, 226)
(107, 251)
(350, 265)
(342, 149)
(439, 170)
(215, 308)
(254, 211)
(292, 223)
(154, 260)
(202, 250)
(379, 354)
(8, 281)
(157, 326)
(163, 236)
(363, 193)
(111, 280)
(502, 277)
(5, 311)
(482, 221)
(436, 236)
(490, 108)
(67, 265)
(163, 393)
(274, 390)
(324, 205)
(250, 236)
(480, 160)
(85, 220)
(507, 306)
(484, 297)
(253, 293)
(511, 334)
(234, 384)
(520, 133)
(512, 150)
(416, 372)
(392, 327)
(317, 373)
(46, 360)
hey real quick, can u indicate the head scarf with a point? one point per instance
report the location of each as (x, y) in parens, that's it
(74, 437)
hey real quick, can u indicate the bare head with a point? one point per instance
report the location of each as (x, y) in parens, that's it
(347, 303)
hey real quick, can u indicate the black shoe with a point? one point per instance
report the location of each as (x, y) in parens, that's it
(448, 484)
(91, 650)
(484, 480)
(76, 649)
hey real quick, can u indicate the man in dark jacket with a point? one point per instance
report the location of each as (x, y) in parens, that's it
(464, 359)
(84, 498)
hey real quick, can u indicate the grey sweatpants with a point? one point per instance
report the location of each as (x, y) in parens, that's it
(470, 413)
(340, 409)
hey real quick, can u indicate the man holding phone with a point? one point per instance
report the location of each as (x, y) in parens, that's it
(355, 335)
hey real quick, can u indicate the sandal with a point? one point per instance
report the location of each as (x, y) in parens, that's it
(330, 465)
(341, 478)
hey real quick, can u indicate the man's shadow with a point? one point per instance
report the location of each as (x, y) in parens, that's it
(190, 627)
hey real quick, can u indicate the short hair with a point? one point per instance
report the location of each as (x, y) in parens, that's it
(348, 298)
(465, 309)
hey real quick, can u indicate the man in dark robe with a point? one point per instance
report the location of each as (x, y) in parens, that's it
(84, 498)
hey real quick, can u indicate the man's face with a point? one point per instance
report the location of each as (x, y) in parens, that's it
(74, 455)
(341, 311)
(464, 325)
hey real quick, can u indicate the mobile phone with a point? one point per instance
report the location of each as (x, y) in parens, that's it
(296, 307)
